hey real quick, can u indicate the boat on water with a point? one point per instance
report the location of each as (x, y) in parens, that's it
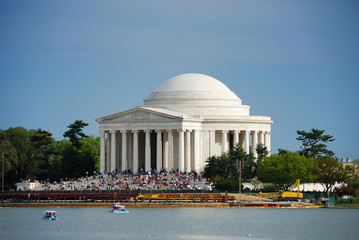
(118, 208)
(50, 215)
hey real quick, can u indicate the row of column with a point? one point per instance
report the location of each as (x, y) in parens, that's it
(258, 137)
(184, 150)
(165, 157)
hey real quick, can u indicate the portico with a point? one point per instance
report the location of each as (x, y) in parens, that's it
(187, 119)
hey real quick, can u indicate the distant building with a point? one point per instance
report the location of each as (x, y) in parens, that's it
(345, 160)
(184, 121)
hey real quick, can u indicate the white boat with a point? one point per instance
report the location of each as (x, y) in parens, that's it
(50, 215)
(118, 208)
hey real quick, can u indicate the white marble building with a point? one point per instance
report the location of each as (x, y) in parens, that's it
(184, 121)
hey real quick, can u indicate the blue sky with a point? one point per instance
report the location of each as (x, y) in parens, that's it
(295, 61)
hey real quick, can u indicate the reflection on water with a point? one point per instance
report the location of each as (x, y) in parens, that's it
(181, 223)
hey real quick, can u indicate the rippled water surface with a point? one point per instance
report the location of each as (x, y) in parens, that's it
(180, 223)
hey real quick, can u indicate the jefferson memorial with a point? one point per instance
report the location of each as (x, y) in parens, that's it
(184, 121)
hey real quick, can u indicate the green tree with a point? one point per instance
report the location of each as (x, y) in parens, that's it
(262, 152)
(328, 170)
(90, 154)
(80, 154)
(24, 158)
(58, 165)
(223, 184)
(43, 150)
(313, 143)
(282, 151)
(78, 157)
(284, 169)
(223, 170)
(223, 166)
(75, 133)
(19, 154)
(249, 167)
(7, 153)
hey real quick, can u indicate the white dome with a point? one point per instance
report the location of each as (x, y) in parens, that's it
(192, 86)
(196, 94)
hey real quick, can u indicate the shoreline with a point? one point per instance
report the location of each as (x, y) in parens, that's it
(58, 204)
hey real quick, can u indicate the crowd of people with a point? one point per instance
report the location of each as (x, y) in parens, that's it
(126, 180)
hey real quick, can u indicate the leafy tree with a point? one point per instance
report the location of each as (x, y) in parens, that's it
(59, 165)
(262, 152)
(19, 152)
(313, 143)
(226, 165)
(249, 167)
(75, 162)
(282, 151)
(90, 154)
(71, 162)
(346, 190)
(223, 166)
(43, 150)
(7, 153)
(75, 132)
(328, 171)
(223, 184)
(284, 169)
(223, 170)
(82, 154)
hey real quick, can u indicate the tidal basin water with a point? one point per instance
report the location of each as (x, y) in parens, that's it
(180, 223)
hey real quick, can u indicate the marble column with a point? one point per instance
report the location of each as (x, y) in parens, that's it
(118, 151)
(254, 145)
(269, 144)
(261, 137)
(113, 151)
(180, 150)
(265, 139)
(187, 151)
(159, 151)
(212, 136)
(124, 150)
(165, 151)
(102, 152)
(148, 151)
(108, 162)
(224, 141)
(235, 138)
(241, 139)
(135, 151)
(170, 150)
(246, 141)
(197, 142)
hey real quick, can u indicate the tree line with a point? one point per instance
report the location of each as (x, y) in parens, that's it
(35, 154)
(312, 163)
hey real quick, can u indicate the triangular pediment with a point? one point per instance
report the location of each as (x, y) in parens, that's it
(140, 114)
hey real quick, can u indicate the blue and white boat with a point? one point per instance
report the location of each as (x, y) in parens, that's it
(50, 215)
(118, 208)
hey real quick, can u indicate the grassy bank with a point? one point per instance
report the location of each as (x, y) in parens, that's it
(347, 203)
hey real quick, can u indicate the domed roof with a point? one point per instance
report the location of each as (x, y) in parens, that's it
(191, 87)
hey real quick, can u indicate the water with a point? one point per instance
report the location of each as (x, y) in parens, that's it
(180, 223)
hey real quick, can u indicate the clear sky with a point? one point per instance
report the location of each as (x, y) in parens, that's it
(295, 61)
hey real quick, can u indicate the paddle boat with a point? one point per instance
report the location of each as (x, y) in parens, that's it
(118, 208)
(50, 215)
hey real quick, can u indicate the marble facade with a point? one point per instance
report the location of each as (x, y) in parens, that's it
(184, 121)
